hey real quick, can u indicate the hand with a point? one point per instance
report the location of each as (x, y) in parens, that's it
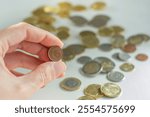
(14, 85)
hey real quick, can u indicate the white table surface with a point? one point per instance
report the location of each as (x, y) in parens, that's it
(133, 15)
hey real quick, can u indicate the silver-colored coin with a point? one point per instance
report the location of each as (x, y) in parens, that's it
(105, 47)
(107, 64)
(124, 56)
(70, 84)
(84, 59)
(115, 76)
(78, 20)
(91, 68)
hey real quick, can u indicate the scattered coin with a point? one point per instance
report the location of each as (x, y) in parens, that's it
(141, 57)
(115, 76)
(127, 67)
(91, 68)
(55, 53)
(78, 20)
(62, 28)
(76, 48)
(117, 30)
(64, 13)
(99, 21)
(90, 41)
(105, 31)
(98, 5)
(135, 39)
(79, 8)
(33, 20)
(84, 59)
(70, 84)
(93, 90)
(129, 48)
(107, 64)
(118, 41)
(67, 54)
(65, 5)
(144, 37)
(62, 34)
(123, 56)
(105, 47)
(47, 27)
(86, 97)
(111, 90)
(87, 33)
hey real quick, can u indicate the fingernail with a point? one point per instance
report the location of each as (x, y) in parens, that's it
(60, 68)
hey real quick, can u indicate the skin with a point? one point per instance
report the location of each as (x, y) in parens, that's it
(14, 85)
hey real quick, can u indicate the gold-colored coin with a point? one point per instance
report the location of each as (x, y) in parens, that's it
(39, 11)
(90, 41)
(105, 31)
(79, 8)
(48, 19)
(111, 90)
(93, 90)
(33, 20)
(117, 29)
(64, 13)
(98, 5)
(63, 28)
(118, 41)
(50, 9)
(127, 67)
(63, 34)
(47, 27)
(87, 33)
(86, 97)
(65, 5)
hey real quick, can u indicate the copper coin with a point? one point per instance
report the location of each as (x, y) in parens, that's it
(141, 57)
(129, 48)
(55, 53)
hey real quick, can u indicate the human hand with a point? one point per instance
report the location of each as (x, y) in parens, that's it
(33, 40)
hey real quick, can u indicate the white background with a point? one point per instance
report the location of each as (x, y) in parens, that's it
(133, 15)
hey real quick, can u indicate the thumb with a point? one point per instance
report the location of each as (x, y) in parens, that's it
(45, 73)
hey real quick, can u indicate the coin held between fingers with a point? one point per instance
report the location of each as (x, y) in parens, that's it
(55, 53)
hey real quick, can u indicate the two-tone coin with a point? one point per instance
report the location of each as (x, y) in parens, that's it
(91, 68)
(107, 64)
(70, 84)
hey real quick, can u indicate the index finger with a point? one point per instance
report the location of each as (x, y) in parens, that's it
(23, 31)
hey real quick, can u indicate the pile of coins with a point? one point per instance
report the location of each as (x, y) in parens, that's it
(96, 91)
(45, 17)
